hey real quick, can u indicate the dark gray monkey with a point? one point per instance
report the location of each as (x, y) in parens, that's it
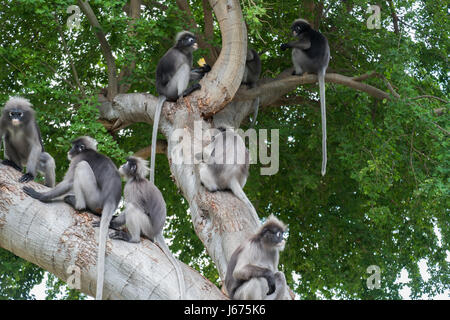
(251, 76)
(93, 183)
(173, 74)
(23, 143)
(145, 212)
(311, 53)
(252, 273)
(225, 165)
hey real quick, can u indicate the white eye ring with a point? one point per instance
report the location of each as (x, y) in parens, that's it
(278, 234)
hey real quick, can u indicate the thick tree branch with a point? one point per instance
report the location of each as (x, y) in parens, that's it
(54, 236)
(161, 148)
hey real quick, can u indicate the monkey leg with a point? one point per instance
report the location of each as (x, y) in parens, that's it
(253, 289)
(87, 193)
(191, 89)
(137, 221)
(10, 163)
(281, 292)
(118, 221)
(207, 178)
(47, 167)
(121, 235)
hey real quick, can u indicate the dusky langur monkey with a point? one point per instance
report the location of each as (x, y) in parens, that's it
(92, 182)
(23, 143)
(225, 165)
(252, 273)
(173, 74)
(311, 53)
(252, 72)
(145, 212)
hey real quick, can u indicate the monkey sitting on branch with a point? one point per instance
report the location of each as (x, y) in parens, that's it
(23, 143)
(145, 212)
(252, 272)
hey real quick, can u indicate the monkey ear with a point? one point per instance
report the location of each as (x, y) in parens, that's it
(133, 168)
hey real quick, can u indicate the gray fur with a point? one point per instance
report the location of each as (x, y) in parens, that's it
(23, 143)
(93, 183)
(173, 73)
(145, 212)
(252, 272)
(311, 53)
(225, 166)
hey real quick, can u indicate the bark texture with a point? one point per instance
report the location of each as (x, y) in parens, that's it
(55, 237)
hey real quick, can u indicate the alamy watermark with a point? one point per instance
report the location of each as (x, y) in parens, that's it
(197, 147)
(374, 21)
(374, 281)
(74, 280)
(73, 22)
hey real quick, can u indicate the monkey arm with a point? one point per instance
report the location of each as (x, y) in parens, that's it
(252, 271)
(303, 44)
(60, 189)
(198, 73)
(32, 162)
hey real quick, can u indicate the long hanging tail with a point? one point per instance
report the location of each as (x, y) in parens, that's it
(255, 112)
(321, 77)
(181, 284)
(107, 213)
(161, 101)
(238, 192)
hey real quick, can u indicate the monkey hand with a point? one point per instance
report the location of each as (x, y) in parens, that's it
(34, 194)
(26, 178)
(206, 68)
(10, 163)
(284, 46)
(271, 282)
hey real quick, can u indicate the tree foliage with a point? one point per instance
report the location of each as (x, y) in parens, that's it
(386, 189)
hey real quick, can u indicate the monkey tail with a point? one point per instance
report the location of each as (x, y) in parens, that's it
(238, 192)
(161, 101)
(321, 76)
(107, 213)
(181, 284)
(255, 112)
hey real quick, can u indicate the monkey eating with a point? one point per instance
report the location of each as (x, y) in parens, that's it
(145, 212)
(22, 142)
(311, 53)
(173, 74)
(252, 273)
(93, 183)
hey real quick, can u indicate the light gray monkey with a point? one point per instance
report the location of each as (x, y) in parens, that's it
(23, 143)
(252, 72)
(173, 73)
(93, 183)
(225, 166)
(311, 53)
(252, 273)
(145, 212)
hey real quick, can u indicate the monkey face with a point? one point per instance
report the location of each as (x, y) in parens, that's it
(188, 41)
(77, 148)
(299, 26)
(129, 168)
(273, 237)
(16, 117)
